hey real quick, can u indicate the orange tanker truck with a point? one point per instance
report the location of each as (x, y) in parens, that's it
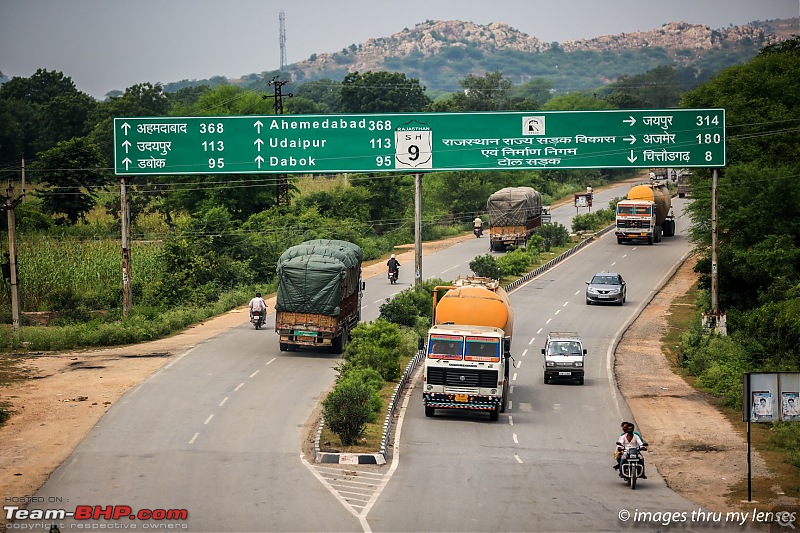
(646, 214)
(467, 349)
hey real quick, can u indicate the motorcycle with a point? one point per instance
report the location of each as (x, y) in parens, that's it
(478, 230)
(258, 319)
(393, 274)
(632, 469)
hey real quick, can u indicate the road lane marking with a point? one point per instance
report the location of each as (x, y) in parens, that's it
(208, 419)
(518, 459)
(510, 420)
(193, 438)
(514, 436)
(565, 304)
(524, 352)
(239, 387)
(557, 311)
(515, 377)
(270, 361)
(254, 373)
(519, 364)
(223, 401)
(548, 320)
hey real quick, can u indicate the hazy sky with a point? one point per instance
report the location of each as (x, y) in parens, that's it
(105, 45)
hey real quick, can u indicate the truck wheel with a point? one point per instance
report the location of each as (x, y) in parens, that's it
(283, 346)
(494, 414)
(620, 240)
(430, 411)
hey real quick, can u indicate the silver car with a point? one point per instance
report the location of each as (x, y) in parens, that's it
(606, 287)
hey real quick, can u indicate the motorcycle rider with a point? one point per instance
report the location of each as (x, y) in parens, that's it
(618, 452)
(629, 440)
(258, 304)
(393, 264)
(477, 225)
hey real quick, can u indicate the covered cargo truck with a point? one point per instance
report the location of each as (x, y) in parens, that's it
(319, 295)
(646, 214)
(468, 348)
(514, 215)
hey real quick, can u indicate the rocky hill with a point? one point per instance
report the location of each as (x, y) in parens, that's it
(433, 48)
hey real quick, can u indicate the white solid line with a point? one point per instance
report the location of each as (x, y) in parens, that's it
(223, 401)
(209, 418)
(254, 373)
(193, 438)
(238, 387)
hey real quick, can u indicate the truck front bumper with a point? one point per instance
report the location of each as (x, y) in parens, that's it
(448, 400)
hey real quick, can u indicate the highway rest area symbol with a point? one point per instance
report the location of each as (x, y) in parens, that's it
(413, 143)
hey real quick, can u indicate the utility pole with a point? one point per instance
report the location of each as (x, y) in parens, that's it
(125, 215)
(418, 230)
(9, 203)
(282, 180)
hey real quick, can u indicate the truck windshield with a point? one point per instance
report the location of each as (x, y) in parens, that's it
(447, 347)
(483, 348)
(625, 209)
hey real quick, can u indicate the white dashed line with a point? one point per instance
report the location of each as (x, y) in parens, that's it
(254, 373)
(223, 401)
(208, 419)
(238, 387)
(193, 438)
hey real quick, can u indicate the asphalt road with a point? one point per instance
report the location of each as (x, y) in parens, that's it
(217, 432)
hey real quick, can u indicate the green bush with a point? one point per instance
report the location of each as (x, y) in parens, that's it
(514, 263)
(379, 345)
(369, 377)
(347, 410)
(553, 235)
(485, 266)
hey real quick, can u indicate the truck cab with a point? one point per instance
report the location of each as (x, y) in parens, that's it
(563, 356)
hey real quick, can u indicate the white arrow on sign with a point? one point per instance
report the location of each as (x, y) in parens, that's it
(259, 160)
(630, 138)
(126, 127)
(631, 121)
(126, 162)
(258, 143)
(126, 145)
(258, 124)
(632, 157)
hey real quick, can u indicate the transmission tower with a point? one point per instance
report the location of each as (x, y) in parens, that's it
(282, 39)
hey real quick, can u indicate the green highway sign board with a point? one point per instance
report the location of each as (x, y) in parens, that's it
(420, 142)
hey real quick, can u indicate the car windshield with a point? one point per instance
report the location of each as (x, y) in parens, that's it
(565, 348)
(605, 280)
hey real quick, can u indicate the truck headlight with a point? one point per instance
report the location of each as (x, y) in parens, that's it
(578, 363)
(550, 363)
